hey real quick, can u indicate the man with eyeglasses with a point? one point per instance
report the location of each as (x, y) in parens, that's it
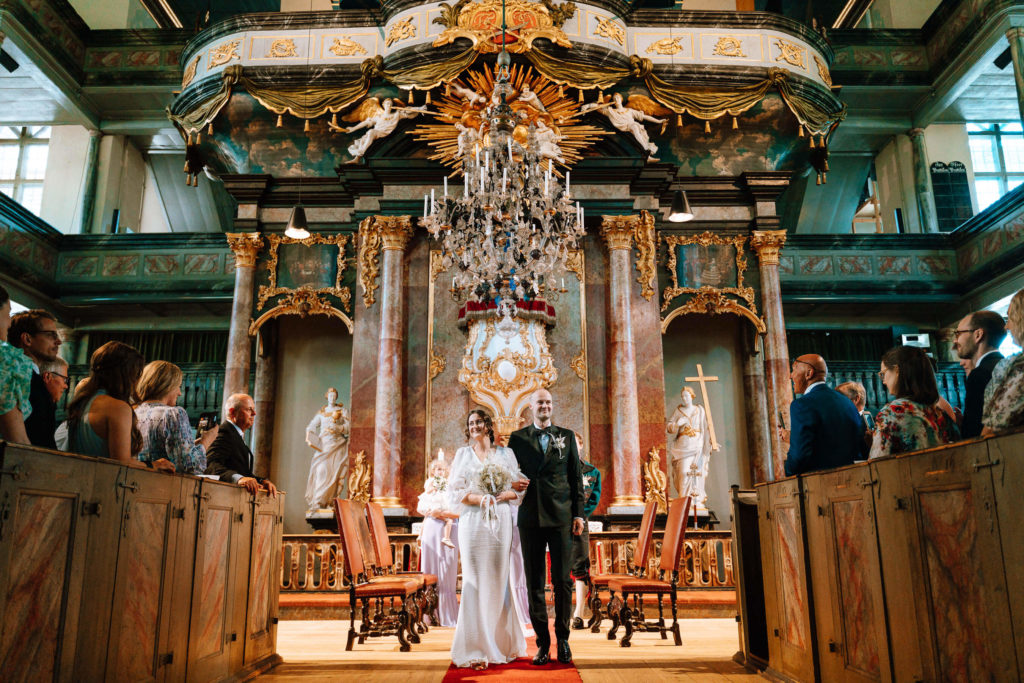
(55, 376)
(35, 333)
(977, 338)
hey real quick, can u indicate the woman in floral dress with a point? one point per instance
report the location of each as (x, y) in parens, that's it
(15, 380)
(1004, 395)
(913, 420)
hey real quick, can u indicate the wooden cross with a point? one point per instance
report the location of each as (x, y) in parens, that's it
(703, 379)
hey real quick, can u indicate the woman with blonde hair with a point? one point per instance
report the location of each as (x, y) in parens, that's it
(1004, 395)
(164, 426)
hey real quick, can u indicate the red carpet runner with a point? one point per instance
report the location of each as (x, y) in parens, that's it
(520, 669)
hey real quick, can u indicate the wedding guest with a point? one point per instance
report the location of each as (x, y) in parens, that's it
(439, 524)
(1004, 395)
(977, 338)
(913, 420)
(101, 422)
(826, 430)
(580, 564)
(55, 377)
(15, 381)
(855, 392)
(164, 425)
(228, 457)
(35, 333)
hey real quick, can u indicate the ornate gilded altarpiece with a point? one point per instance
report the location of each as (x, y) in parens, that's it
(472, 366)
(304, 277)
(708, 269)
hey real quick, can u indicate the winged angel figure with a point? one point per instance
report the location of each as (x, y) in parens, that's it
(630, 117)
(381, 119)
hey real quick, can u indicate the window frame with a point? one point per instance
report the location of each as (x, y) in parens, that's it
(1001, 175)
(19, 183)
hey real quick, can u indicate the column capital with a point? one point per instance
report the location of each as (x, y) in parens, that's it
(768, 244)
(245, 245)
(915, 133)
(618, 231)
(394, 231)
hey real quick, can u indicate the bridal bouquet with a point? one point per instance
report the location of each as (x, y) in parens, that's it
(491, 480)
(440, 483)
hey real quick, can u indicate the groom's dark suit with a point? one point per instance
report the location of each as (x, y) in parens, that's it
(553, 499)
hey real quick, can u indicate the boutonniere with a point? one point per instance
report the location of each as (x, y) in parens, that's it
(559, 443)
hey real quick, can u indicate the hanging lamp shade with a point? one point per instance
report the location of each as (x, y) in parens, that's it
(680, 212)
(297, 228)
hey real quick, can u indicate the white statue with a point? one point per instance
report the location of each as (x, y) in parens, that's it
(689, 449)
(468, 138)
(327, 435)
(547, 142)
(628, 119)
(470, 96)
(528, 97)
(380, 119)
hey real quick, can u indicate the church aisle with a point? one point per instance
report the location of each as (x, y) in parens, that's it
(313, 651)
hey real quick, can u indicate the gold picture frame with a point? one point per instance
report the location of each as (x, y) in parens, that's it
(267, 292)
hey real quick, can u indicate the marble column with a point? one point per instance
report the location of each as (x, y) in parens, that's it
(923, 182)
(1015, 36)
(87, 200)
(246, 246)
(768, 244)
(394, 232)
(759, 443)
(264, 393)
(624, 410)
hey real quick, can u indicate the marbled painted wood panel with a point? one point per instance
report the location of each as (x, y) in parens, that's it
(43, 554)
(849, 612)
(957, 546)
(1008, 482)
(264, 581)
(796, 636)
(770, 585)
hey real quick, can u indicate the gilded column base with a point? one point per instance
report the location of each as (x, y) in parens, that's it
(626, 505)
(387, 501)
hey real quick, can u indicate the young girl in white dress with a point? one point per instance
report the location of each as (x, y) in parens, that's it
(434, 499)
(488, 630)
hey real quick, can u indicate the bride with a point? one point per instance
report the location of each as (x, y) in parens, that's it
(488, 630)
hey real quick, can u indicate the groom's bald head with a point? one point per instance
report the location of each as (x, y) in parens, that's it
(541, 405)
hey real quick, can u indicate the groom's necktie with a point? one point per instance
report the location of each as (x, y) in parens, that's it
(544, 439)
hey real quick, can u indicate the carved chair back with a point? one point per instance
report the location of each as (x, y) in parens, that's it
(675, 528)
(379, 534)
(351, 547)
(644, 538)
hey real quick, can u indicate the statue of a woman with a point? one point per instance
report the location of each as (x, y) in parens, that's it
(689, 448)
(327, 435)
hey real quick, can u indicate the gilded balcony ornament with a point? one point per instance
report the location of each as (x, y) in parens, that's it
(346, 47)
(608, 28)
(401, 30)
(480, 22)
(665, 46)
(823, 71)
(224, 53)
(729, 46)
(791, 53)
(190, 71)
(282, 48)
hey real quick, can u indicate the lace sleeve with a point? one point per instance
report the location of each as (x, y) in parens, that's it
(513, 466)
(460, 482)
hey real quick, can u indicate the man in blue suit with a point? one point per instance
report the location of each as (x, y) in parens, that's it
(825, 429)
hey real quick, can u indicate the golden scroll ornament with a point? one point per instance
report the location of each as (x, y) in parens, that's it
(401, 30)
(282, 48)
(608, 28)
(369, 260)
(224, 53)
(729, 46)
(791, 53)
(190, 71)
(480, 22)
(655, 481)
(823, 71)
(346, 47)
(665, 46)
(360, 476)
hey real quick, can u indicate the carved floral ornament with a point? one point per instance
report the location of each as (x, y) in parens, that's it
(343, 46)
(224, 53)
(768, 244)
(621, 232)
(400, 30)
(609, 28)
(282, 48)
(377, 233)
(246, 246)
(665, 46)
(729, 46)
(480, 22)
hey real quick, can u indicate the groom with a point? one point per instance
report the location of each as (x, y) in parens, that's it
(550, 514)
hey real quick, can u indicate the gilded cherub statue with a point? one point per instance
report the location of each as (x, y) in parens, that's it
(381, 119)
(655, 481)
(630, 117)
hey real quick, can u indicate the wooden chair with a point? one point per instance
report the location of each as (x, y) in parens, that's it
(427, 598)
(667, 582)
(366, 592)
(639, 568)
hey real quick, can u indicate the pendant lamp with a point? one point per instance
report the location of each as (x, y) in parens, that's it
(680, 212)
(297, 228)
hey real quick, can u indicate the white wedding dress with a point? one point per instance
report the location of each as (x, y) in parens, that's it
(488, 630)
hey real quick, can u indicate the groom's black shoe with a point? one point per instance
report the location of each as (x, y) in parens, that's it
(564, 653)
(577, 624)
(542, 657)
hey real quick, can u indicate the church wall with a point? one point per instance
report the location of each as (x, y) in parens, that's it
(65, 168)
(121, 179)
(313, 354)
(154, 216)
(715, 343)
(948, 142)
(895, 175)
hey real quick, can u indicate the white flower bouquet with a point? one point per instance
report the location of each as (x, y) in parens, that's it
(492, 480)
(440, 483)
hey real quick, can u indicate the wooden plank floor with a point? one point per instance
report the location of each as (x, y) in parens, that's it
(313, 651)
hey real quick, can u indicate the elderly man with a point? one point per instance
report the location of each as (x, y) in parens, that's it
(228, 457)
(35, 333)
(977, 339)
(826, 429)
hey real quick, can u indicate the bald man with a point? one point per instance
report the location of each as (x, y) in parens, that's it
(826, 430)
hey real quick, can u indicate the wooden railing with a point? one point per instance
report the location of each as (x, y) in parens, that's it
(314, 563)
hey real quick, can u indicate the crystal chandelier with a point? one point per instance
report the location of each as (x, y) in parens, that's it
(509, 229)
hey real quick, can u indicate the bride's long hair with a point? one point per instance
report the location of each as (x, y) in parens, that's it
(488, 422)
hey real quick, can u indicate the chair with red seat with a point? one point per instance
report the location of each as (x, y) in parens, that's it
(639, 568)
(427, 600)
(667, 582)
(363, 591)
